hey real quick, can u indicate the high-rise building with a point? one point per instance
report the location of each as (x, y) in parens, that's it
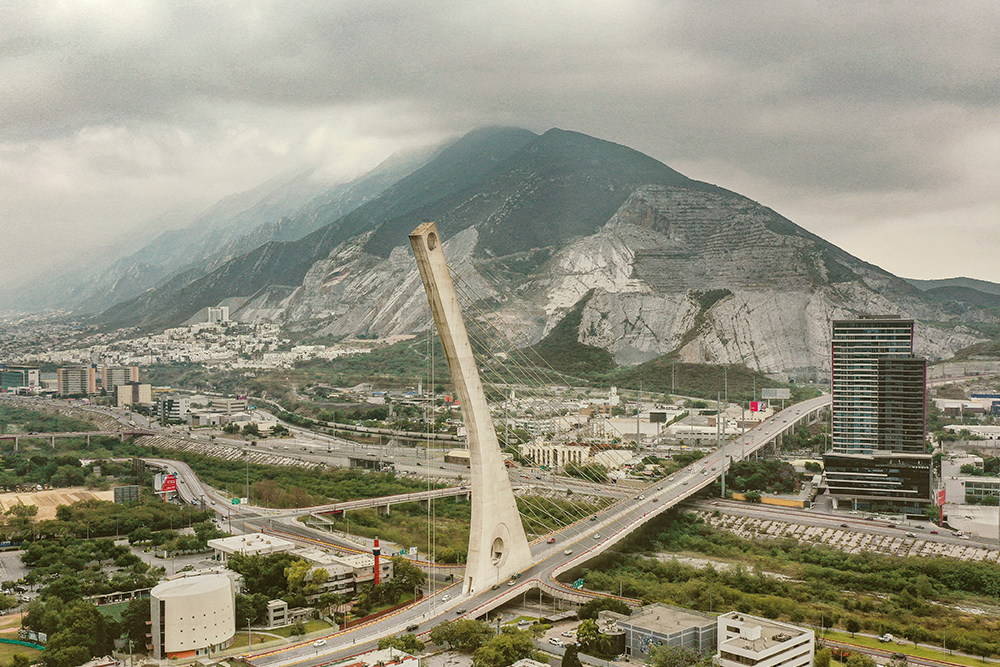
(867, 359)
(112, 376)
(878, 459)
(74, 380)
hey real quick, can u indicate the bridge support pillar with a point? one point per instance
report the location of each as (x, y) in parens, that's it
(383, 510)
(53, 442)
(498, 547)
(88, 440)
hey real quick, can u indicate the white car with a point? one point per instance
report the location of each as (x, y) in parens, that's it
(445, 598)
(567, 552)
(554, 641)
(319, 642)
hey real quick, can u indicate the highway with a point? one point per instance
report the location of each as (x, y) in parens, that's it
(572, 547)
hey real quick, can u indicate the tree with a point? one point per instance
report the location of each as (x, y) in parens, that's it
(407, 643)
(593, 641)
(669, 656)
(22, 511)
(592, 608)
(134, 620)
(752, 496)
(465, 635)
(860, 660)
(571, 657)
(852, 625)
(505, 649)
(822, 658)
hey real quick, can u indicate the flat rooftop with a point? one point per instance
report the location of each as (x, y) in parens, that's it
(666, 620)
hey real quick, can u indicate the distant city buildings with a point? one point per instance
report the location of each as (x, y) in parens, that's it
(877, 459)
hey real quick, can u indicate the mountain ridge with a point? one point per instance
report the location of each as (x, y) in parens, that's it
(533, 223)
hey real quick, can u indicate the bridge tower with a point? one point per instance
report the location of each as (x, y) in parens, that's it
(498, 547)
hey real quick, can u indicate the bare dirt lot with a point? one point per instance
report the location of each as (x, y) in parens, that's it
(48, 501)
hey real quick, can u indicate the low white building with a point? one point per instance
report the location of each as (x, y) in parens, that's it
(192, 617)
(758, 642)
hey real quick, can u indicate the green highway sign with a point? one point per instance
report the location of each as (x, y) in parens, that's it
(578, 584)
(236, 501)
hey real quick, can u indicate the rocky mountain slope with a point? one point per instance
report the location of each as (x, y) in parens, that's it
(649, 261)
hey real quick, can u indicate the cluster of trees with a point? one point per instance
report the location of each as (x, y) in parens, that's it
(69, 568)
(173, 541)
(99, 518)
(767, 475)
(488, 649)
(76, 630)
(406, 578)
(18, 419)
(592, 472)
(23, 471)
(902, 596)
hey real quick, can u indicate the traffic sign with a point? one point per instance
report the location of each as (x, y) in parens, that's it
(578, 584)
(236, 501)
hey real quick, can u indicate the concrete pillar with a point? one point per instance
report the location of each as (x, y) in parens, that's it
(498, 547)
(383, 510)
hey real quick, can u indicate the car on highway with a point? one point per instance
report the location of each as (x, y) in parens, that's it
(844, 525)
(319, 642)
(460, 611)
(567, 552)
(597, 536)
(642, 497)
(963, 537)
(593, 518)
(934, 532)
(445, 598)
(911, 534)
(511, 582)
(551, 540)
(411, 628)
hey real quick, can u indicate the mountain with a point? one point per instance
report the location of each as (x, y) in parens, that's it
(644, 262)
(983, 286)
(230, 228)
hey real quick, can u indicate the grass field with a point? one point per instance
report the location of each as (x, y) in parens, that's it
(311, 626)
(930, 652)
(7, 651)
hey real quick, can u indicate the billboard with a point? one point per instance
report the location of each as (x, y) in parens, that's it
(657, 417)
(783, 394)
(169, 483)
(756, 406)
(940, 497)
(126, 494)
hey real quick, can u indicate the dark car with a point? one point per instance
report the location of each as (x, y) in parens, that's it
(411, 628)
(593, 518)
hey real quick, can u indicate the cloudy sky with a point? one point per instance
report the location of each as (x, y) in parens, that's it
(873, 123)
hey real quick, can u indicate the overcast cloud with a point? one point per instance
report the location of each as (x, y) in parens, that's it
(874, 124)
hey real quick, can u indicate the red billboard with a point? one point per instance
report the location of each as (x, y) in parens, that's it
(756, 406)
(169, 483)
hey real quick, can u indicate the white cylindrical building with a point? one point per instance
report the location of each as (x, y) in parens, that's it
(193, 616)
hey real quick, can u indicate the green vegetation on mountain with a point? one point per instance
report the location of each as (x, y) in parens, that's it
(667, 375)
(563, 352)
